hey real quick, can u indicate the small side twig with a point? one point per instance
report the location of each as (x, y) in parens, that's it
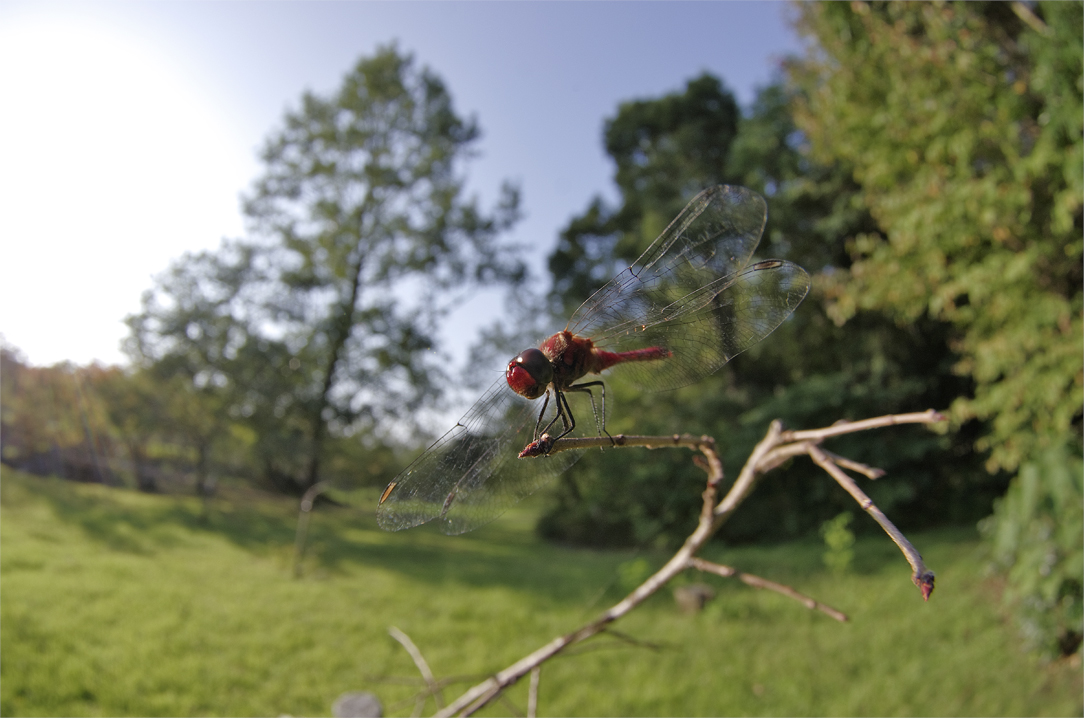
(849, 427)
(922, 577)
(532, 692)
(434, 688)
(758, 582)
(869, 472)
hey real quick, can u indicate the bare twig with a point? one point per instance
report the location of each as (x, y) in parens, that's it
(775, 448)
(748, 477)
(1024, 13)
(868, 471)
(532, 692)
(419, 661)
(849, 427)
(922, 577)
(758, 582)
(548, 445)
(482, 693)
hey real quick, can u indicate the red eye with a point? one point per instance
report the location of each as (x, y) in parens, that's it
(529, 373)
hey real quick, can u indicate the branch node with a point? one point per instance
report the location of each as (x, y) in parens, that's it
(419, 661)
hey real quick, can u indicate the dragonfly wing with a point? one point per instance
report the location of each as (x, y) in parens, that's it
(707, 328)
(713, 237)
(471, 475)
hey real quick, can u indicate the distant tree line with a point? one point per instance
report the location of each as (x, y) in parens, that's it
(922, 161)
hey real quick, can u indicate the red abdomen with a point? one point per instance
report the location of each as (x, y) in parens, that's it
(608, 359)
(574, 357)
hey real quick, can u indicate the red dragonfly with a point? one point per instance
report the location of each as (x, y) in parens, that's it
(686, 307)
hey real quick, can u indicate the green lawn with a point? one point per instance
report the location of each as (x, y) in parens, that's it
(116, 603)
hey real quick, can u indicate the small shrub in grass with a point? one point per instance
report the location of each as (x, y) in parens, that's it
(1037, 532)
(839, 539)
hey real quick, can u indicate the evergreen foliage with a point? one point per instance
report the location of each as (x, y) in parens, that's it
(962, 123)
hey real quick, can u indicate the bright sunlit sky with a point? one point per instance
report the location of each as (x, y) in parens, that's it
(129, 130)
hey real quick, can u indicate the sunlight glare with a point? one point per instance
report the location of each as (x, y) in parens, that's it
(113, 163)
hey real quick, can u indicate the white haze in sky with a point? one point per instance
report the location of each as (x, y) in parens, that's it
(129, 130)
(113, 163)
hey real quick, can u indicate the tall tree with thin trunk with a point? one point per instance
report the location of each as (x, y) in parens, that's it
(362, 206)
(362, 237)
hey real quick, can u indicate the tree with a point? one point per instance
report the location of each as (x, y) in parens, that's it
(807, 368)
(321, 325)
(136, 409)
(666, 150)
(977, 187)
(963, 123)
(52, 422)
(196, 336)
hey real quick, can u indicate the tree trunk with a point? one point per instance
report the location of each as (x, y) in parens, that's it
(341, 332)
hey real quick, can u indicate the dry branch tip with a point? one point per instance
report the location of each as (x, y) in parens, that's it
(924, 583)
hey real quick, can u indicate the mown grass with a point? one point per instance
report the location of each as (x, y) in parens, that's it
(116, 603)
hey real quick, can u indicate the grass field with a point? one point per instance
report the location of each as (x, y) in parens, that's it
(117, 603)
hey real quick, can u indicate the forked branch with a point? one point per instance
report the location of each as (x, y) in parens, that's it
(775, 448)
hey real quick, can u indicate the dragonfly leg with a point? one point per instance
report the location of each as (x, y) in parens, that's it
(599, 424)
(564, 411)
(538, 424)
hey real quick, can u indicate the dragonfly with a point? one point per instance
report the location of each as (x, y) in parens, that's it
(687, 306)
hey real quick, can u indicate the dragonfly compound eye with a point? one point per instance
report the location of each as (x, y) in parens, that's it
(529, 373)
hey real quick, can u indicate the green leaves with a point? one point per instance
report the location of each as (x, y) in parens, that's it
(839, 541)
(1035, 537)
(961, 122)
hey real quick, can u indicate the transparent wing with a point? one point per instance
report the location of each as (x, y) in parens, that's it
(687, 293)
(707, 328)
(471, 475)
(714, 236)
(690, 292)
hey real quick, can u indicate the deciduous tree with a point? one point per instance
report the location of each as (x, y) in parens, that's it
(322, 322)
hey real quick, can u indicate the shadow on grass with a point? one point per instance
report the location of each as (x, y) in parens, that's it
(347, 540)
(144, 524)
(496, 555)
(340, 540)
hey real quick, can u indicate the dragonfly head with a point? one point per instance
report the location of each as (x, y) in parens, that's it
(529, 373)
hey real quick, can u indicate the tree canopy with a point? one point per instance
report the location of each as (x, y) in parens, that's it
(808, 367)
(321, 324)
(962, 124)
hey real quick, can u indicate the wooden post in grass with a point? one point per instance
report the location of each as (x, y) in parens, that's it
(303, 522)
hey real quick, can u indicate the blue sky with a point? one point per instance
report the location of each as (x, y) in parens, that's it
(136, 125)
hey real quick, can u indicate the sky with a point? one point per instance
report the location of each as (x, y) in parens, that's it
(129, 131)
